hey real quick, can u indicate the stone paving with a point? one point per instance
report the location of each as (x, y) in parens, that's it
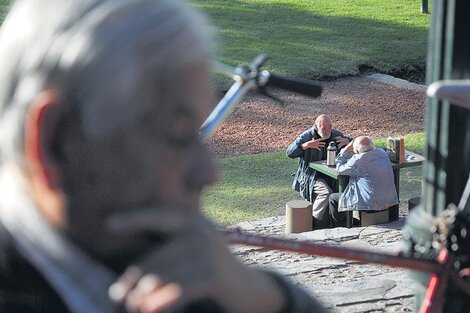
(344, 286)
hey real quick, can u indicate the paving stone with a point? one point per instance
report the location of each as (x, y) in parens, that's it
(345, 286)
(358, 244)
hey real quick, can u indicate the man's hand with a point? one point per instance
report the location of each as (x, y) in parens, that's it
(314, 144)
(192, 263)
(341, 141)
(349, 147)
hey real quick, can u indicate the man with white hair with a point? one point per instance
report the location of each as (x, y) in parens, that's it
(310, 146)
(100, 107)
(371, 184)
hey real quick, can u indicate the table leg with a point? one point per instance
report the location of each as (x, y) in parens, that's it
(393, 210)
(342, 182)
(349, 219)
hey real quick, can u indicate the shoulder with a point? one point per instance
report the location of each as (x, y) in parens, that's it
(335, 132)
(380, 152)
(306, 135)
(308, 132)
(22, 287)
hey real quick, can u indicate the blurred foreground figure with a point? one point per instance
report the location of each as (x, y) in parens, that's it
(101, 103)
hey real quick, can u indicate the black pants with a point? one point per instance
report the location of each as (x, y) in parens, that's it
(337, 219)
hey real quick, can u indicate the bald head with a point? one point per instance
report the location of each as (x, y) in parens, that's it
(323, 126)
(362, 144)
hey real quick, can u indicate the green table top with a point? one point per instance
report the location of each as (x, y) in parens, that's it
(411, 159)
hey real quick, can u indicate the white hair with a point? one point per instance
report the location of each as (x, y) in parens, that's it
(98, 53)
(362, 144)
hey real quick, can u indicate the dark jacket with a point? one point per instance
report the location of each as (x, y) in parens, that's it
(305, 177)
(24, 290)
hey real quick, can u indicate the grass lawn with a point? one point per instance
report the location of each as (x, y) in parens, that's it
(4, 7)
(318, 38)
(258, 186)
(312, 39)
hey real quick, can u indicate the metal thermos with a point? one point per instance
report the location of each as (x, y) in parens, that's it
(331, 154)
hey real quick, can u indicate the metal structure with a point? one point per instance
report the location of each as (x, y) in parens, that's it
(447, 125)
(250, 78)
(447, 168)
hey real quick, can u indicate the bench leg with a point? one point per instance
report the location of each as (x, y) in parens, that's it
(349, 219)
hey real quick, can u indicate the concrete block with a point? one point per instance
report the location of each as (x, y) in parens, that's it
(413, 202)
(298, 216)
(367, 218)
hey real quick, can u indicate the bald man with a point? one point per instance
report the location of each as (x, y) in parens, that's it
(310, 146)
(371, 185)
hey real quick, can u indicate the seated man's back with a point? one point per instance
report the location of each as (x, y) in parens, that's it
(371, 182)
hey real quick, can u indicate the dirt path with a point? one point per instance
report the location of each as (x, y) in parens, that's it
(357, 106)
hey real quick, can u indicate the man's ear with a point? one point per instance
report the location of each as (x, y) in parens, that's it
(41, 124)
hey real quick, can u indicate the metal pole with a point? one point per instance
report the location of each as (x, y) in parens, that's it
(312, 248)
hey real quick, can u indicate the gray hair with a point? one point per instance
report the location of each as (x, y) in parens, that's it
(362, 144)
(98, 54)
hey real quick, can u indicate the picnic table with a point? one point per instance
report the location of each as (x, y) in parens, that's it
(411, 159)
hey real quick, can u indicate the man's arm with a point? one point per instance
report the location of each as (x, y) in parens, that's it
(303, 142)
(341, 139)
(294, 150)
(345, 163)
(194, 264)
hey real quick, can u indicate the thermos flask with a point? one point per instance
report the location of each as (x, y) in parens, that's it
(331, 154)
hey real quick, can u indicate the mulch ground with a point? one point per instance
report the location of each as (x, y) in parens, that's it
(357, 106)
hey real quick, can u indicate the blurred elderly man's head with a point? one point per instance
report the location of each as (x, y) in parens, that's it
(100, 105)
(362, 144)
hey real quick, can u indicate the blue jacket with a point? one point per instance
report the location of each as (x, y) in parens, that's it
(305, 176)
(371, 182)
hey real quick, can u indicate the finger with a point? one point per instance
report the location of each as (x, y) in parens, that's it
(146, 285)
(121, 289)
(154, 295)
(161, 299)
